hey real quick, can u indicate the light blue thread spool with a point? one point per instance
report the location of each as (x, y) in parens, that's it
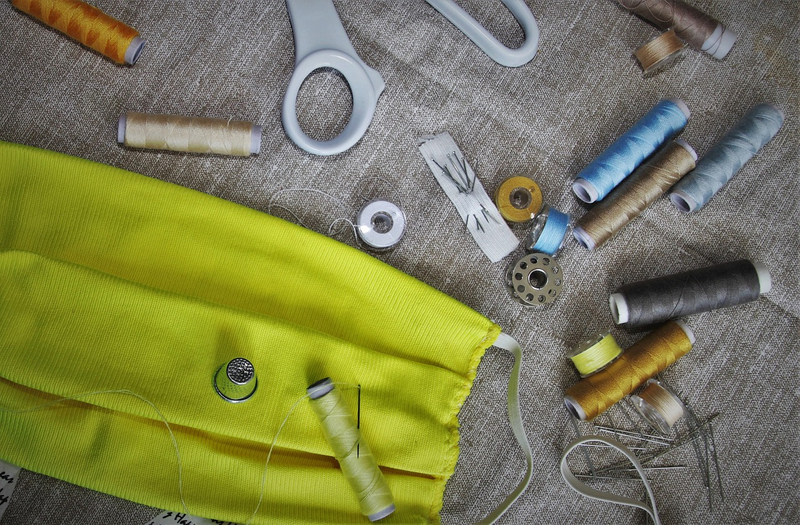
(597, 179)
(549, 231)
(727, 157)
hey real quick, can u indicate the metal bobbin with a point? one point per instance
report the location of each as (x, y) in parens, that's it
(534, 279)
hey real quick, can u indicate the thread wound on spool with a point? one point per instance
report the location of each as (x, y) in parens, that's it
(351, 451)
(628, 200)
(593, 395)
(659, 53)
(381, 224)
(519, 199)
(548, 232)
(88, 25)
(189, 134)
(659, 406)
(595, 354)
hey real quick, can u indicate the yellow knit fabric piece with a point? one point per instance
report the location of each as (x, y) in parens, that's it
(111, 280)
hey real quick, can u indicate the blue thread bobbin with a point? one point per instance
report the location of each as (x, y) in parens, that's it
(549, 231)
(621, 158)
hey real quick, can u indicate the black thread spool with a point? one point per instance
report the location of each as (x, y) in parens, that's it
(645, 304)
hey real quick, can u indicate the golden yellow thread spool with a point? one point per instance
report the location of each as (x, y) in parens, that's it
(519, 199)
(659, 53)
(351, 451)
(593, 395)
(659, 406)
(595, 354)
(189, 134)
(88, 25)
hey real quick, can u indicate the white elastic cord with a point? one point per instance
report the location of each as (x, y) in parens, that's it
(506, 342)
(601, 495)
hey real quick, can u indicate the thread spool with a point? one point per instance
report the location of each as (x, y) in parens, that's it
(698, 29)
(88, 25)
(593, 395)
(628, 200)
(548, 232)
(659, 406)
(659, 53)
(534, 279)
(381, 224)
(619, 160)
(647, 303)
(351, 451)
(189, 134)
(595, 354)
(519, 199)
(727, 157)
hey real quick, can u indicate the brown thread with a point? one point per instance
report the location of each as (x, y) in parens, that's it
(658, 53)
(690, 24)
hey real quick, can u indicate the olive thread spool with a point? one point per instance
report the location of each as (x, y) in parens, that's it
(518, 199)
(659, 53)
(88, 25)
(593, 395)
(595, 354)
(351, 451)
(647, 303)
(636, 193)
(659, 406)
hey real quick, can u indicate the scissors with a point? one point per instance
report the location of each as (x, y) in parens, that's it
(320, 41)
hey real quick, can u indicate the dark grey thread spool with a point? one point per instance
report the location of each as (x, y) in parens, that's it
(647, 303)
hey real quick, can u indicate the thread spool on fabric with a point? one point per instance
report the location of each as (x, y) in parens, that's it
(88, 25)
(698, 29)
(647, 303)
(659, 53)
(351, 451)
(659, 406)
(189, 134)
(727, 157)
(628, 200)
(593, 395)
(595, 354)
(519, 199)
(381, 224)
(664, 120)
(548, 232)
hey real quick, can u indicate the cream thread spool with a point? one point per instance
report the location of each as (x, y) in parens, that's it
(381, 224)
(659, 406)
(189, 134)
(518, 199)
(595, 354)
(659, 53)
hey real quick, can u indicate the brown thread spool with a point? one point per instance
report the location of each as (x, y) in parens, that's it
(628, 200)
(519, 199)
(659, 406)
(659, 53)
(593, 395)
(695, 27)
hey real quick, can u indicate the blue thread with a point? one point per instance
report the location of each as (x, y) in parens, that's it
(622, 157)
(727, 157)
(552, 233)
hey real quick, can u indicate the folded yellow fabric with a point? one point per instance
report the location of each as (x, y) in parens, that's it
(110, 280)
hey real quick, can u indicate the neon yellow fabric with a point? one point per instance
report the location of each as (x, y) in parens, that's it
(113, 280)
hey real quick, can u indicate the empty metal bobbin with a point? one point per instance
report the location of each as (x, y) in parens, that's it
(236, 380)
(534, 279)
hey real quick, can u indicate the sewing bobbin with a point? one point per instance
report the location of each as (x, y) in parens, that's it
(534, 279)
(659, 53)
(548, 232)
(380, 224)
(595, 354)
(659, 406)
(519, 199)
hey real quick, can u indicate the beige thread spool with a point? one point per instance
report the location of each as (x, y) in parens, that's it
(659, 406)
(659, 53)
(519, 199)
(189, 134)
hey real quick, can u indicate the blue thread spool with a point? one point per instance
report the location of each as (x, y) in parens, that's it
(549, 231)
(727, 157)
(622, 157)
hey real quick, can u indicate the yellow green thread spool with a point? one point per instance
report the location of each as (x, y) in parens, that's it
(594, 354)
(351, 451)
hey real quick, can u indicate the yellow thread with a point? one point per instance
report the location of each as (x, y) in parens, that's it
(519, 199)
(595, 354)
(193, 135)
(649, 356)
(84, 23)
(355, 458)
(659, 52)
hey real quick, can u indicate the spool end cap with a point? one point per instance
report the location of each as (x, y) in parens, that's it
(685, 145)
(255, 139)
(574, 408)
(682, 106)
(123, 121)
(583, 238)
(585, 190)
(619, 308)
(764, 277)
(381, 513)
(688, 331)
(320, 388)
(134, 50)
(682, 200)
(726, 42)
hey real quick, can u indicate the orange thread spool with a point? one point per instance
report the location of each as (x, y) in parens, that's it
(88, 25)
(593, 395)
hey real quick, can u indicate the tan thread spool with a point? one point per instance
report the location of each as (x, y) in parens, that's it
(659, 406)
(628, 200)
(593, 395)
(189, 134)
(659, 53)
(519, 199)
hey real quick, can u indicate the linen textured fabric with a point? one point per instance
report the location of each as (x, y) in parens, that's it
(110, 280)
(546, 120)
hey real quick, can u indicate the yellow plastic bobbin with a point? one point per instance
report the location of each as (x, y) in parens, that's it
(594, 354)
(519, 199)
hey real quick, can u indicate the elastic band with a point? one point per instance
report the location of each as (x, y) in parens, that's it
(585, 490)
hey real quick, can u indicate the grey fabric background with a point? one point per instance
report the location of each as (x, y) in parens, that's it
(546, 120)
